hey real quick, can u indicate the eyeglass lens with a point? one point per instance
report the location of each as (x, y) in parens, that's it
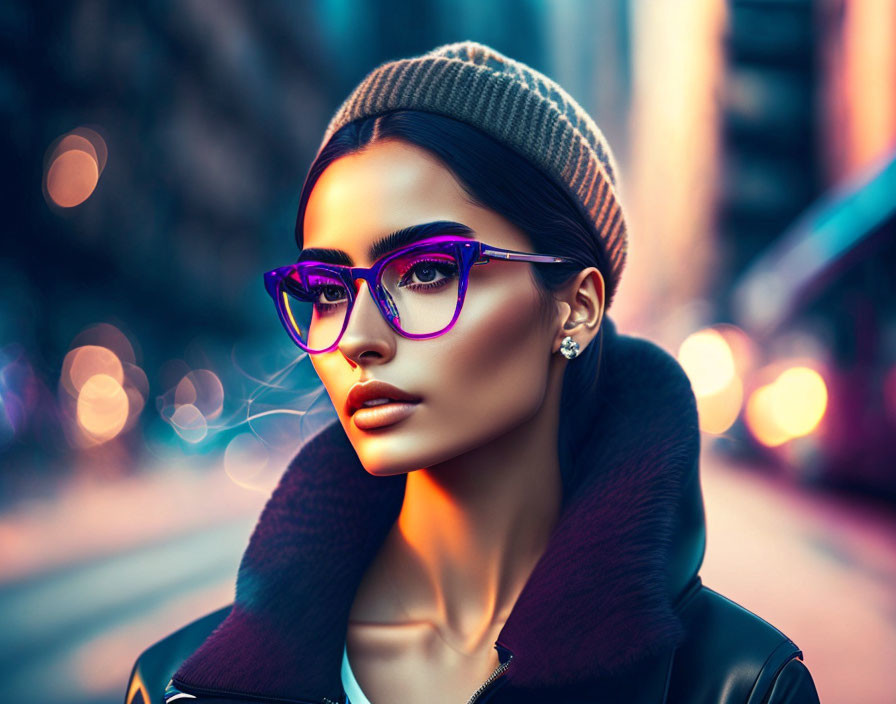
(420, 288)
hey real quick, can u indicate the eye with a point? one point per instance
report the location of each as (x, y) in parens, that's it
(327, 297)
(332, 292)
(429, 273)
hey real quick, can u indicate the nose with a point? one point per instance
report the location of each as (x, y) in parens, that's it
(367, 335)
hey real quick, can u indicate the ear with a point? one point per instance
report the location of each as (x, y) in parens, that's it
(581, 308)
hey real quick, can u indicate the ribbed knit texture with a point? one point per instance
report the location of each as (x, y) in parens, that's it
(516, 105)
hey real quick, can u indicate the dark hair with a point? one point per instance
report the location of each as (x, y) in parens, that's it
(498, 178)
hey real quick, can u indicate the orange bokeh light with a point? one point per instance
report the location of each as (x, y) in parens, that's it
(82, 363)
(789, 407)
(75, 163)
(99, 392)
(760, 417)
(718, 411)
(72, 177)
(103, 407)
(708, 360)
(801, 399)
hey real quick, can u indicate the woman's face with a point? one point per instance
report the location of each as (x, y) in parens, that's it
(481, 379)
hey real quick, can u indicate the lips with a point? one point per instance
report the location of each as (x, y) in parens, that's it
(373, 390)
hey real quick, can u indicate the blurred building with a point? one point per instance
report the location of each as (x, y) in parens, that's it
(809, 221)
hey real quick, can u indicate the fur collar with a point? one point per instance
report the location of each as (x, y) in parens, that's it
(597, 608)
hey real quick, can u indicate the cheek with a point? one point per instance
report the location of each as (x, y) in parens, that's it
(490, 373)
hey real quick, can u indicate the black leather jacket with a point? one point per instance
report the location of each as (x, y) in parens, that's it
(614, 612)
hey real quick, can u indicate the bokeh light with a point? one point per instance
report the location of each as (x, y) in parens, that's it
(102, 408)
(245, 458)
(760, 417)
(203, 389)
(75, 163)
(789, 407)
(189, 423)
(710, 364)
(195, 398)
(718, 411)
(707, 360)
(82, 363)
(100, 151)
(743, 349)
(801, 398)
(71, 178)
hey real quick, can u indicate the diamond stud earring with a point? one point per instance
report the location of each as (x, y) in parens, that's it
(569, 348)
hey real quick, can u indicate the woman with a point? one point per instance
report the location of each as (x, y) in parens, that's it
(509, 509)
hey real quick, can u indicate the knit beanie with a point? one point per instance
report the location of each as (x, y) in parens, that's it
(515, 105)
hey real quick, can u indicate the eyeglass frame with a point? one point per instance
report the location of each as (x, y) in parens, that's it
(469, 252)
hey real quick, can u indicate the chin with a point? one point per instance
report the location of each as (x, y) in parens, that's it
(387, 453)
(395, 449)
(382, 452)
(381, 462)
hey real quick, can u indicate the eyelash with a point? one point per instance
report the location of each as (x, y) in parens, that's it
(432, 284)
(324, 307)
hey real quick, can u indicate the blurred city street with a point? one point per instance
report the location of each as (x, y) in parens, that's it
(819, 566)
(96, 574)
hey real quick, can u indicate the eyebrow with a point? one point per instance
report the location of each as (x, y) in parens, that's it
(389, 243)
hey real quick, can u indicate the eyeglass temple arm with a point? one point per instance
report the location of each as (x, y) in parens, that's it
(523, 256)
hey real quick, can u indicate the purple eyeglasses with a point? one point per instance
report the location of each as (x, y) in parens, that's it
(419, 289)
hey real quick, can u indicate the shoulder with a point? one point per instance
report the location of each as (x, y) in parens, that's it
(732, 655)
(155, 665)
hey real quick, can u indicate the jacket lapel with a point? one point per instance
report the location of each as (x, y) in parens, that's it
(595, 619)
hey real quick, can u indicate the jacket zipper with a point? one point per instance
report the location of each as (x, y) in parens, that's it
(499, 670)
(201, 692)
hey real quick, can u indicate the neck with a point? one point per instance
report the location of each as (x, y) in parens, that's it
(471, 530)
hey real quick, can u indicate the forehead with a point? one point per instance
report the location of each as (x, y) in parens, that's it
(388, 186)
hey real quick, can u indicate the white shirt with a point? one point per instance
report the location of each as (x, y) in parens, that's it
(350, 684)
